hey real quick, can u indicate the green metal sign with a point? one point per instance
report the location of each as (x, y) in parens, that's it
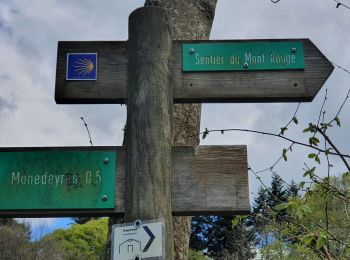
(44, 180)
(240, 56)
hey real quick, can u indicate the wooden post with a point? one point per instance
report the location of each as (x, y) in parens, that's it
(149, 120)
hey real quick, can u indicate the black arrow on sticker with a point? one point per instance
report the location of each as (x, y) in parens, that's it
(151, 238)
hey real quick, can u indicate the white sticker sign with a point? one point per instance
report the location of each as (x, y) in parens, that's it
(138, 240)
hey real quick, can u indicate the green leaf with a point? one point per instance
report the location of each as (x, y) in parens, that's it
(310, 172)
(295, 120)
(317, 159)
(284, 154)
(205, 133)
(305, 209)
(312, 155)
(281, 206)
(312, 128)
(283, 129)
(337, 120)
(327, 151)
(286, 231)
(236, 221)
(321, 241)
(307, 239)
(299, 214)
(301, 184)
(314, 141)
(346, 176)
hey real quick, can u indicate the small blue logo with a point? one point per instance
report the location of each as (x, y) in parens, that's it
(81, 66)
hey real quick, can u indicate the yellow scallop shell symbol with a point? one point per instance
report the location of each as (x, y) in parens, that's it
(84, 66)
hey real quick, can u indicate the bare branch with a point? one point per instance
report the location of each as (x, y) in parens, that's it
(334, 147)
(87, 129)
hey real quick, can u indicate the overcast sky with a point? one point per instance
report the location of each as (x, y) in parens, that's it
(30, 30)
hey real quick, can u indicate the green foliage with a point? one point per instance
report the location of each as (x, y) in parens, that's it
(82, 241)
(337, 120)
(263, 215)
(295, 207)
(321, 241)
(222, 237)
(310, 172)
(284, 154)
(283, 130)
(282, 251)
(312, 128)
(195, 255)
(281, 206)
(315, 157)
(314, 141)
(317, 220)
(295, 120)
(206, 133)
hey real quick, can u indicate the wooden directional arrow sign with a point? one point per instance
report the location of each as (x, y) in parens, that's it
(202, 71)
(73, 181)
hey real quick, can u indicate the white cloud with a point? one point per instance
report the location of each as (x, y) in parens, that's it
(38, 222)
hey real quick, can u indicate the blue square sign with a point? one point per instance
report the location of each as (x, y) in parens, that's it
(81, 66)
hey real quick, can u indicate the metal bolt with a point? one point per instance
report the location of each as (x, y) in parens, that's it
(294, 50)
(191, 51)
(245, 65)
(104, 197)
(105, 160)
(137, 223)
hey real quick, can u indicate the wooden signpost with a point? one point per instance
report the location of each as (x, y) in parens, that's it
(216, 86)
(149, 73)
(72, 181)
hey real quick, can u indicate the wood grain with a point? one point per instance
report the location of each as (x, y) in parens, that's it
(149, 120)
(205, 180)
(210, 87)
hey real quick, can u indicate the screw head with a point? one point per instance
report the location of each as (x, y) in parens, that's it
(294, 50)
(137, 223)
(105, 160)
(191, 51)
(245, 65)
(104, 197)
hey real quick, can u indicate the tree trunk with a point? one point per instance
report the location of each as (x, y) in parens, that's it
(192, 20)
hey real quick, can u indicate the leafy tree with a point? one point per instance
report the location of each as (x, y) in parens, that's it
(267, 199)
(81, 241)
(293, 190)
(14, 239)
(317, 225)
(220, 238)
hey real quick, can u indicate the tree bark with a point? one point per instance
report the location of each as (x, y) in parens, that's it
(192, 20)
